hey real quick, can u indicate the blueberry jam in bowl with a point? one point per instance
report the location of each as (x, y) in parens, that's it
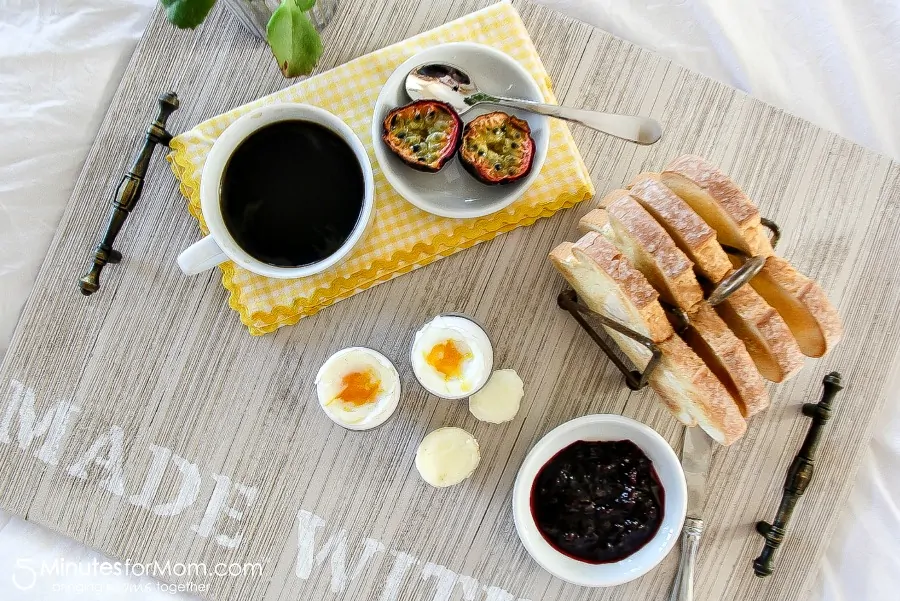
(600, 500)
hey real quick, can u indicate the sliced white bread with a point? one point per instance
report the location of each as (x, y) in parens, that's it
(631, 306)
(609, 285)
(802, 304)
(767, 337)
(727, 357)
(617, 290)
(719, 201)
(648, 247)
(692, 235)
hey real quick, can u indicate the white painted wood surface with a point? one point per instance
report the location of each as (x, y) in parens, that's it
(159, 362)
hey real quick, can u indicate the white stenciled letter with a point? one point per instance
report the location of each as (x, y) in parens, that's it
(114, 480)
(53, 423)
(336, 546)
(402, 563)
(307, 525)
(187, 491)
(446, 580)
(495, 593)
(216, 506)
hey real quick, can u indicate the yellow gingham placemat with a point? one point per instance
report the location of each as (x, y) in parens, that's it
(401, 237)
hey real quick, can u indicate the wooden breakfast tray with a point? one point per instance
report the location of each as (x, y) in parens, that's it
(157, 362)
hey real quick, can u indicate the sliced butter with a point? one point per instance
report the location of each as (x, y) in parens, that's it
(447, 456)
(498, 401)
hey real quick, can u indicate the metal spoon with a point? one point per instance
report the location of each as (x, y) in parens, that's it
(449, 83)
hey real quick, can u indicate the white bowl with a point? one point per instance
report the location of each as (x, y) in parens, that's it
(592, 428)
(452, 191)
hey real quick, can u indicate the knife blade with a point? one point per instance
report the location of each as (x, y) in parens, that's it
(696, 455)
(695, 459)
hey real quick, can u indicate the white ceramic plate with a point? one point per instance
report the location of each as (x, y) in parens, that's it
(453, 192)
(591, 428)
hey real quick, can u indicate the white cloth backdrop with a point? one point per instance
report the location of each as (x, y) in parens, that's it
(834, 62)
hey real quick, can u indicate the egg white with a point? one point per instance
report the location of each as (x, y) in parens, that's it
(470, 339)
(329, 385)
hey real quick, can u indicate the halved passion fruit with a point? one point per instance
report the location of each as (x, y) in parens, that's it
(497, 148)
(424, 134)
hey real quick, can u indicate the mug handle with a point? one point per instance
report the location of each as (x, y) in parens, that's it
(200, 256)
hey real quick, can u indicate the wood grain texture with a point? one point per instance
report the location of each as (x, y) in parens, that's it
(162, 356)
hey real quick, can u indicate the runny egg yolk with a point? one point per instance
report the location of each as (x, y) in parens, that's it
(360, 388)
(447, 359)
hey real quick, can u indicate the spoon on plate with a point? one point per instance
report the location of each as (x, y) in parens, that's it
(450, 84)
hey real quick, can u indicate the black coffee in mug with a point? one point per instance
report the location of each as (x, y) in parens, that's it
(292, 193)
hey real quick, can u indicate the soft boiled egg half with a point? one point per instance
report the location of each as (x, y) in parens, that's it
(358, 388)
(452, 356)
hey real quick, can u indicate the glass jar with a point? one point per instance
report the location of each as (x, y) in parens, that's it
(255, 14)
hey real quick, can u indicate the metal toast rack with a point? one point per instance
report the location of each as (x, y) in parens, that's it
(635, 379)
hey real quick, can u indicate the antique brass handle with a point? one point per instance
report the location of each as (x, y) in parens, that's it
(798, 477)
(128, 193)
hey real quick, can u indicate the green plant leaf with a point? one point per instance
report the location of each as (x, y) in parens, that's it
(293, 38)
(187, 14)
(306, 4)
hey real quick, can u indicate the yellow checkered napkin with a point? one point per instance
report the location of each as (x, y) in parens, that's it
(400, 237)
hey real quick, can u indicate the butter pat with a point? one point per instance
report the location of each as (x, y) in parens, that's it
(500, 398)
(447, 456)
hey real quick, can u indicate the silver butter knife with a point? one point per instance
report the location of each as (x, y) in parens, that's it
(695, 459)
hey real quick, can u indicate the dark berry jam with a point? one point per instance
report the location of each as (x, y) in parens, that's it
(598, 502)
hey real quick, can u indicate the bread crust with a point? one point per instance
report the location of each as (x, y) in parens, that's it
(692, 235)
(673, 397)
(718, 185)
(802, 304)
(596, 220)
(694, 178)
(669, 209)
(711, 405)
(729, 360)
(654, 253)
(596, 249)
(768, 340)
(682, 380)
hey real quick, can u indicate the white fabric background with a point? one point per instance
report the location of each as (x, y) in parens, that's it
(834, 62)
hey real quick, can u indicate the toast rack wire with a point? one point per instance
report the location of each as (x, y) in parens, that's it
(634, 378)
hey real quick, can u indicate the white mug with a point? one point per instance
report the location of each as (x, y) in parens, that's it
(219, 245)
